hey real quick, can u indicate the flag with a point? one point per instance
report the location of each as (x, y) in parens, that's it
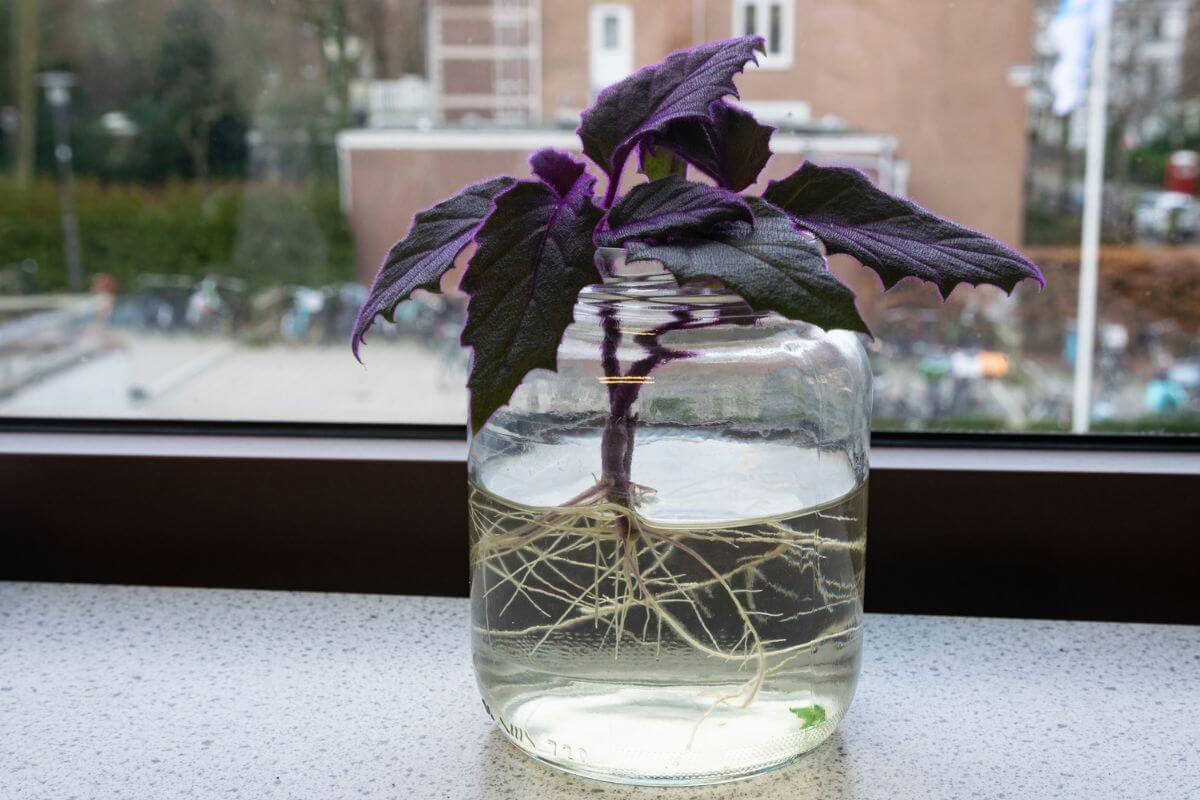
(1071, 31)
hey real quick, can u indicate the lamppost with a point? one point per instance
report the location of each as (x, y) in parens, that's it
(342, 51)
(57, 86)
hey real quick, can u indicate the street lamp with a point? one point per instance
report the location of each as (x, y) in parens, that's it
(348, 47)
(57, 86)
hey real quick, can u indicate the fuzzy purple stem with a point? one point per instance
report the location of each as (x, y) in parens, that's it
(616, 443)
(610, 194)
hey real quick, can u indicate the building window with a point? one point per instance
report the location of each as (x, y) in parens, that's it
(775, 29)
(772, 20)
(750, 19)
(611, 35)
(610, 42)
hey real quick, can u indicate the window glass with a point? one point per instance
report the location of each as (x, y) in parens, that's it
(194, 194)
(775, 30)
(611, 24)
(769, 19)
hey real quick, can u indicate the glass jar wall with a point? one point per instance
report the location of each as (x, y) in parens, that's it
(668, 537)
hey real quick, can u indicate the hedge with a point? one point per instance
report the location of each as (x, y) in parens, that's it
(264, 233)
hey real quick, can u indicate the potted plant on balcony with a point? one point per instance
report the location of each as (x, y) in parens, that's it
(669, 409)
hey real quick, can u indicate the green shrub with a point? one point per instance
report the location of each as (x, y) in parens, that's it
(266, 234)
(1180, 422)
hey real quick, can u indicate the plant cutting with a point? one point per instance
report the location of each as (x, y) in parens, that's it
(669, 409)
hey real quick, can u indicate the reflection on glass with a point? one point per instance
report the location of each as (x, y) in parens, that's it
(193, 194)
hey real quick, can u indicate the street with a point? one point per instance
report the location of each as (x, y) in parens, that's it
(153, 376)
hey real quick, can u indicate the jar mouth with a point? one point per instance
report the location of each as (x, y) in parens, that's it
(646, 290)
(613, 266)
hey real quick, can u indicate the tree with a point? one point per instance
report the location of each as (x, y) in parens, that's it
(188, 92)
(331, 20)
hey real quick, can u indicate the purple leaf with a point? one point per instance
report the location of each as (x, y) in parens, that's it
(670, 206)
(731, 148)
(893, 236)
(418, 261)
(681, 86)
(535, 254)
(771, 264)
(558, 169)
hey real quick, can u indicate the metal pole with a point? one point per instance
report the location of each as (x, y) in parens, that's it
(1093, 198)
(58, 94)
(25, 45)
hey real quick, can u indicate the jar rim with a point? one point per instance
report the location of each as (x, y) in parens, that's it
(651, 286)
(612, 264)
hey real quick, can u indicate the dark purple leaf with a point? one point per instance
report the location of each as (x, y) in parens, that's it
(681, 86)
(670, 206)
(419, 260)
(535, 254)
(556, 168)
(771, 264)
(893, 236)
(731, 148)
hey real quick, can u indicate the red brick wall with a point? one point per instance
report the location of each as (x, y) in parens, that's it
(387, 187)
(933, 73)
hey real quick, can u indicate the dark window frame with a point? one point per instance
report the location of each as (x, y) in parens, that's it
(68, 516)
(1123, 442)
(1021, 538)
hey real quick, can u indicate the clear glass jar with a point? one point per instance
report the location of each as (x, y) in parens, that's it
(668, 537)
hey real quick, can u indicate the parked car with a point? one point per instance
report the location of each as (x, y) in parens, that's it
(1166, 217)
(1165, 396)
(1187, 375)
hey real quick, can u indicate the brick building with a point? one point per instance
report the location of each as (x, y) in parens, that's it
(923, 93)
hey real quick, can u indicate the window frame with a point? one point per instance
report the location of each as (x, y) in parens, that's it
(960, 524)
(599, 15)
(200, 430)
(786, 56)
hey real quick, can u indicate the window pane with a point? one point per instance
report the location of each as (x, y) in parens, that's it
(194, 195)
(775, 34)
(611, 40)
(750, 24)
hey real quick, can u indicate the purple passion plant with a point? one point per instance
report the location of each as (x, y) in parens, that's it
(536, 238)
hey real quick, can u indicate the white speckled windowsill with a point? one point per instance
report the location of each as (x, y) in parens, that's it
(131, 692)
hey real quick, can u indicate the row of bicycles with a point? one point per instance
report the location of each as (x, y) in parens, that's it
(219, 305)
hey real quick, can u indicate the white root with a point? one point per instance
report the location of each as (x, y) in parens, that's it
(577, 556)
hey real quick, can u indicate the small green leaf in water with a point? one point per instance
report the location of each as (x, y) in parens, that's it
(809, 715)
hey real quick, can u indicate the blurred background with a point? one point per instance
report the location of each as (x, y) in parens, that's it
(195, 193)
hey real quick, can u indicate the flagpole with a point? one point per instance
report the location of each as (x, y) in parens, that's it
(1093, 198)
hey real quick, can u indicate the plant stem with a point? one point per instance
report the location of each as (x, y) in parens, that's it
(610, 194)
(616, 443)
